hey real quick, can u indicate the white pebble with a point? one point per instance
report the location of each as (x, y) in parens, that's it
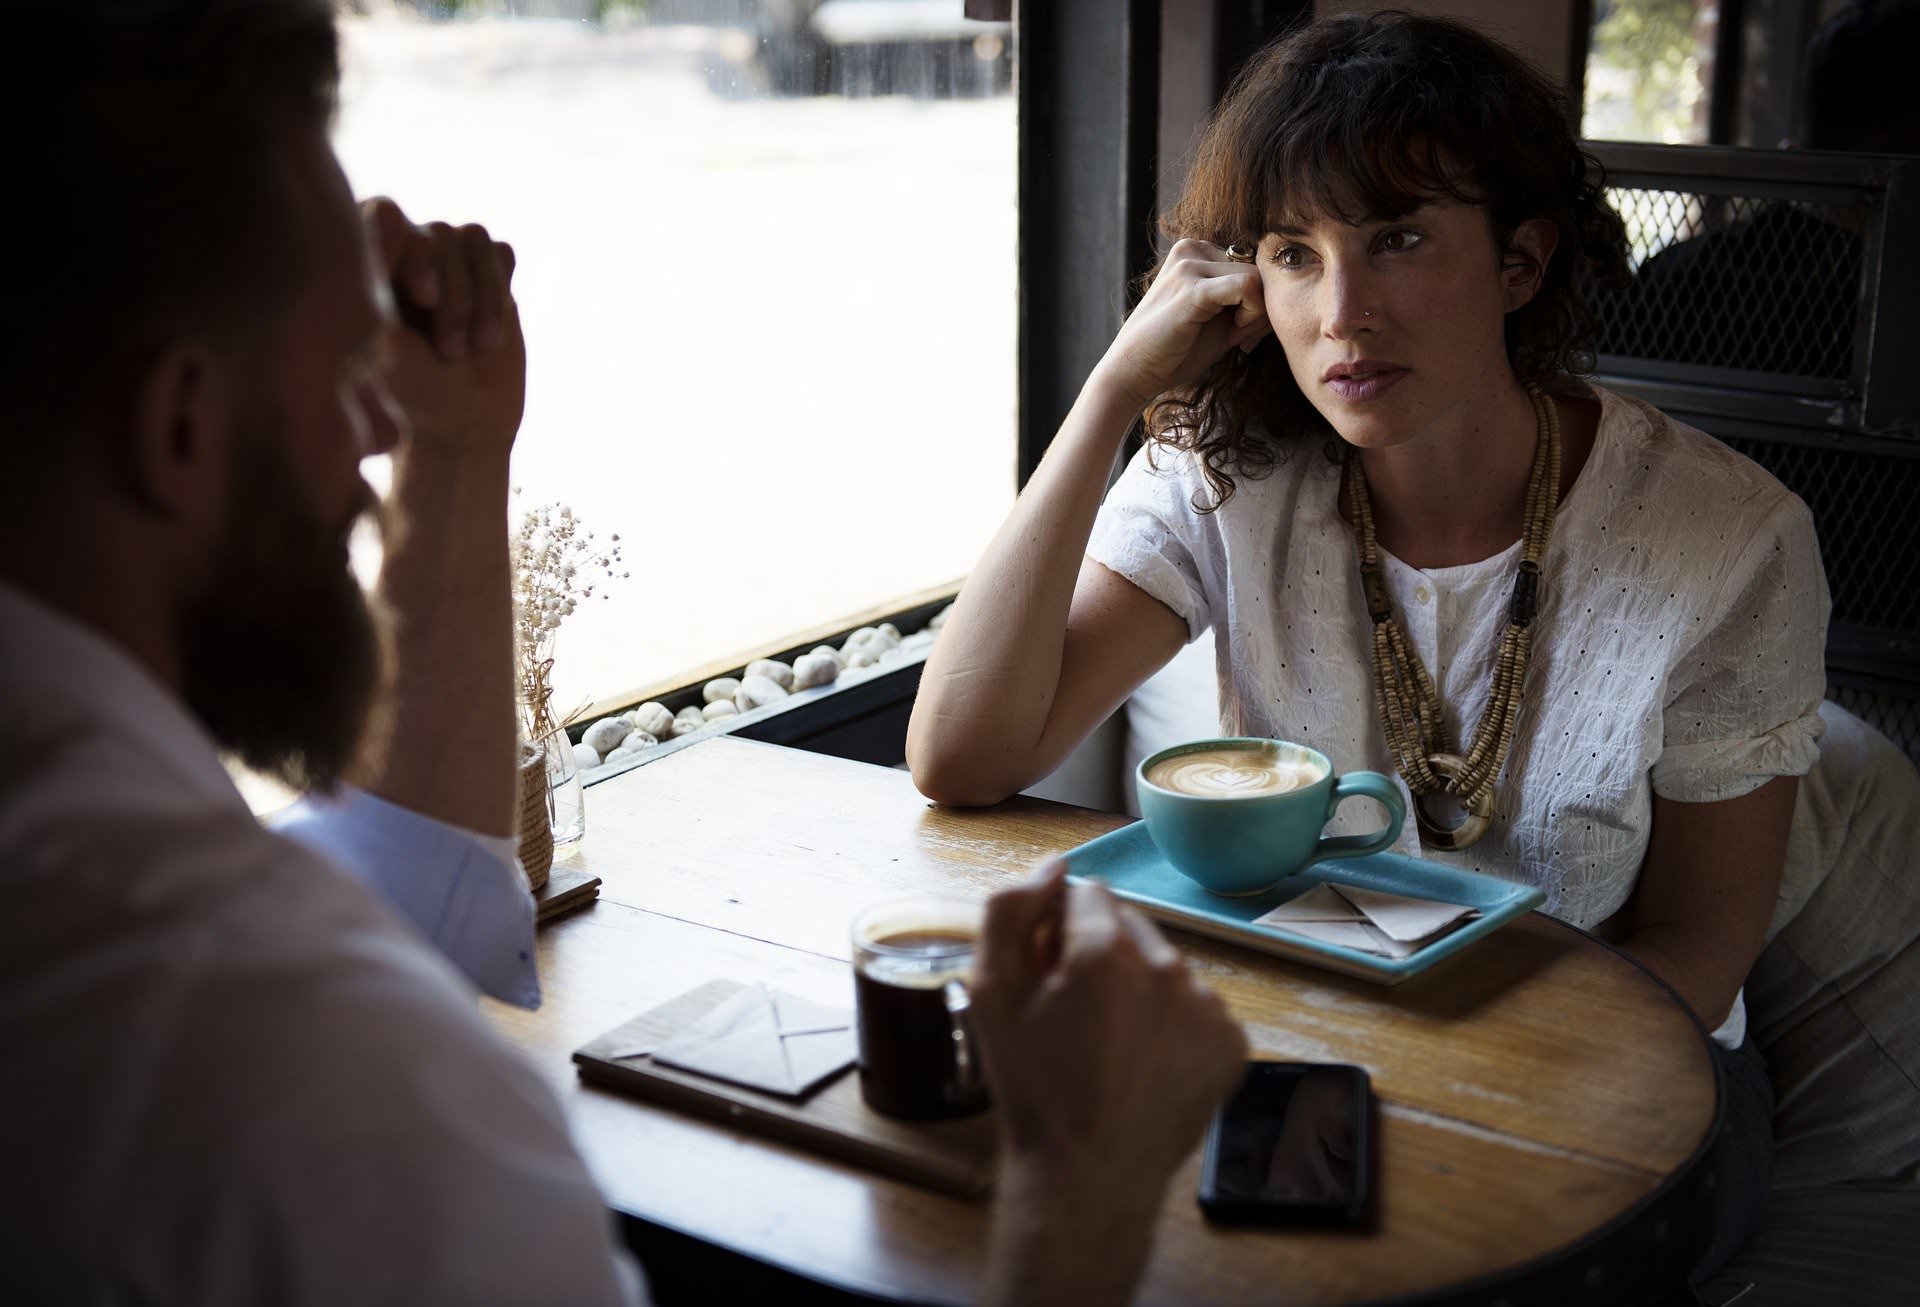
(894, 655)
(689, 714)
(864, 656)
(605, 735)
(639, 740)
(719, 708)
(891, 631)
(919, 640)
(777, 672)
(827, 651)
(858, 638)
(623, 752)
(758, 692)
(688, 725)
(653, 717)
(815, 669)
(585, 756)
(722, 687)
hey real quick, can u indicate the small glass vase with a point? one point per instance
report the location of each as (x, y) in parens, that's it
(566, 796)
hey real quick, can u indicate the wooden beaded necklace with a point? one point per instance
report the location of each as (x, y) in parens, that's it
(1409, 705)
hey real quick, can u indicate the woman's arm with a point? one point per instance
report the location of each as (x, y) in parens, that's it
(1042, 644)
(1706, 894)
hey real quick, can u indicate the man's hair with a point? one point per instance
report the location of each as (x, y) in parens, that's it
(145, 199)
(1369, 117)
(1856, 95)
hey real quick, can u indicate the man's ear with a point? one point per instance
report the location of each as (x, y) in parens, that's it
(175, 456)
(1525, 265)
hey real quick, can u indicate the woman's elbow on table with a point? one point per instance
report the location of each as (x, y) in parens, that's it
(952, 779)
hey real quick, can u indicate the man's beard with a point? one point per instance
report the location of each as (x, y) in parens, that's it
(287, 660)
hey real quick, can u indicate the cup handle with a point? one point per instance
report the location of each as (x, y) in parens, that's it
(1368, 784)
(966, 1058)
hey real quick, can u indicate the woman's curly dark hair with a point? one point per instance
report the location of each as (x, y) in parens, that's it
(1368, 117)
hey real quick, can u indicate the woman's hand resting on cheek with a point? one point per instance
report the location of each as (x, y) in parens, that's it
(1201, 305)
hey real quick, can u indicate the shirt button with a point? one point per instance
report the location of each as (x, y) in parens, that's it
(1423, 594)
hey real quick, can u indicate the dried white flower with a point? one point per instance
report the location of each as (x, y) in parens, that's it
(552, 558)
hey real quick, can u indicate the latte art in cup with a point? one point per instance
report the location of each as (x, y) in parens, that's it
(1233, 773)
(1238, 814)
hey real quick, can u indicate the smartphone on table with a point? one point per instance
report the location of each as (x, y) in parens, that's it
(1292, 1146)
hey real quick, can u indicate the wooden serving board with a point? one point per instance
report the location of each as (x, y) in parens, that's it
(953, 1157)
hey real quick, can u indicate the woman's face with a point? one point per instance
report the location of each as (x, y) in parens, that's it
(1395, 329)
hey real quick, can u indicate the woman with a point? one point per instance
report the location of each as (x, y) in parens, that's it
(1371, 471)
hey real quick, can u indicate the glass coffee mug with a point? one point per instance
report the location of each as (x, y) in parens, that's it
(912, 959)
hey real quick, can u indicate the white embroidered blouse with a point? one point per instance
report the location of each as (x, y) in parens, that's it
(1677, 651)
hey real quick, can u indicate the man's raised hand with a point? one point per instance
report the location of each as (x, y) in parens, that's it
(456, 358)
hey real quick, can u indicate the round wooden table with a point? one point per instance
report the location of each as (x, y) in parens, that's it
(1546, 1106)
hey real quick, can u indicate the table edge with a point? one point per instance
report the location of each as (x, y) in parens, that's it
(1680, 1182)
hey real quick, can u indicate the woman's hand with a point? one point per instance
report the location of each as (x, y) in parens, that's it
(1201, 305)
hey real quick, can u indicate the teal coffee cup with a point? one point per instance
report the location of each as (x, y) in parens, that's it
(1238, 816)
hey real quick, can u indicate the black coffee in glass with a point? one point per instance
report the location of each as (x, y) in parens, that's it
(912, 961)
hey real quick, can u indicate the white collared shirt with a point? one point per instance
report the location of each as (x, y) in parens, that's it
(231, 1073)
(1678, 649)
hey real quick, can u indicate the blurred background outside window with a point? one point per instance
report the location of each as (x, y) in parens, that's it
(766, 269)
(1650, 71)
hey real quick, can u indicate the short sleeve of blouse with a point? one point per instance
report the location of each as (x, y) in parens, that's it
(1148, 532)
(1743, 702)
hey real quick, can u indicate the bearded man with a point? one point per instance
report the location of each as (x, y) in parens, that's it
(234, 1072)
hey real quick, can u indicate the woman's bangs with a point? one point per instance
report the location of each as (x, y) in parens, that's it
(1353, 177)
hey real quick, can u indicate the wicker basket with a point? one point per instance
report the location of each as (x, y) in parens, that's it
(536, 823)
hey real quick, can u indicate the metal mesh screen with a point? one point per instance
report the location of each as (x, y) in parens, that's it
(1737, 282)
(1747, 313)
(1864, 507)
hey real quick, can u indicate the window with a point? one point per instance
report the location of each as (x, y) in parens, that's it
(766, 267)
(1649, 71)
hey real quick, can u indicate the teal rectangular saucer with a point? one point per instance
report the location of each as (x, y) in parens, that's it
(1133, 868)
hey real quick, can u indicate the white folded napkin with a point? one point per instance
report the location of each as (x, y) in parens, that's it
(1369, 921)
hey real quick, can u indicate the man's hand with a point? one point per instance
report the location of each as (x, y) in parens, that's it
(457, 365)
(1106, 1057)
(457, 361)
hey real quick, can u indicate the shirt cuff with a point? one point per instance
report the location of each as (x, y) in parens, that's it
(1145, 564)
(462, 890)
(1713, 770)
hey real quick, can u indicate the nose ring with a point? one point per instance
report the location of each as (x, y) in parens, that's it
(1366, 313)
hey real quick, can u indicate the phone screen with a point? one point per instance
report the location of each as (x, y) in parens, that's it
(1291, 1142)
